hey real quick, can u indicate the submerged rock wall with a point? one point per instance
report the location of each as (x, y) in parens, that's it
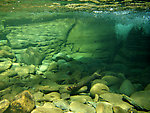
(92, 38)
(86, 40)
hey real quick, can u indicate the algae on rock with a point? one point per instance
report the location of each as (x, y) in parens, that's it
(32, 56)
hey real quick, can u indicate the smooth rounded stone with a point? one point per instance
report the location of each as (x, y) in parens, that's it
(78, 107)
(5, 65)
(23, 103)
(49, 105)
(52, 96)
(82, 89)
(111, 80)
(104, 107)
(99, 89)
(147, 88)
(127, 87)
(4, 104)
(43, 67)
(61, 56)
(142, 98)
(43, 109)
(62, 104)
(81, 98)
(116, 100)
(47, 89)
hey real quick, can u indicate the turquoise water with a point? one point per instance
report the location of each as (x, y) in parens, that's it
(63, 48)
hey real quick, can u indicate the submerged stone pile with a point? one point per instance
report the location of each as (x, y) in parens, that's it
(111, 92)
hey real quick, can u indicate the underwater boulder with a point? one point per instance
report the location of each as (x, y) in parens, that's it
(142, 98)
(32, 56)
(23, 103)
(127, 87)
(99, 89)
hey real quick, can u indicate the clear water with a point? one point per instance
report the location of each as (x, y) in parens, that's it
(79, 42)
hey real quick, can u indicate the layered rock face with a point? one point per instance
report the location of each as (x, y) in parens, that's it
(85, 40)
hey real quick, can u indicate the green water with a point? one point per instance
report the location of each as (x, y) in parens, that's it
(60, 48)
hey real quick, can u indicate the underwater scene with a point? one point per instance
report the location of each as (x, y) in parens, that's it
(74, 56)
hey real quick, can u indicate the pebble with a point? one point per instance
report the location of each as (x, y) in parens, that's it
(43, 68)
(23, 103)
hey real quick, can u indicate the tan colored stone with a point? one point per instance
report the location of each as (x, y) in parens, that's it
(23, 103)
(48, 89)
(116, 100)
(82, 89)
(47, 110)
(52, 96)
(62, 104)
(78, 107)
(81, 98)
(104, 107)
(4, 104)
(5, 65)
(117, 109)
(142, 98)
(99, 89)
